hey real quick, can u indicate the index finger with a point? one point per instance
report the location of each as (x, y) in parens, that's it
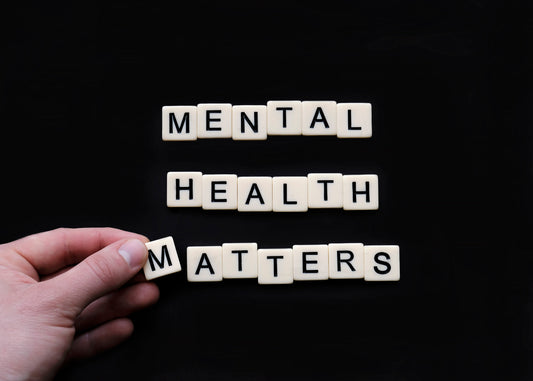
(50, 251)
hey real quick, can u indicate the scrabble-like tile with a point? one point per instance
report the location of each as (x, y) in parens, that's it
(254, 194)
(319, 118)
(354, 120)
(382, 262)
(249, 122)
(184, 189)
(284, 117)
(239, 260)
(179, 123)
(360, 192)
(274, 266)
(204, 263)
(310, 262)
(162, 258)
(289, 194)
(214, 120)
(219, 192)
(325, 190)
(346, 261)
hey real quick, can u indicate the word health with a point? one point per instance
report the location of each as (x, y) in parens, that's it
(267, 194)
(255, 122)
(276, 266)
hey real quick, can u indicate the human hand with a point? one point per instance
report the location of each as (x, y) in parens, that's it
(62, 297)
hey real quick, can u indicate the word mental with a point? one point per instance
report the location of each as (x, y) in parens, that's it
(267, 194)
(276, 266)
(255, 122)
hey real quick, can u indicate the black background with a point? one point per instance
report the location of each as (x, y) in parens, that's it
(81, 93)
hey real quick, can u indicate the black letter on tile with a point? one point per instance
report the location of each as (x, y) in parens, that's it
(382, 262)
(325, 182)
(254, 126)
(285, 201)
(346, 260)
(305, 261)
(179, 189)
(275, 258)
(254, 189)
(160, 263)
(208, 120)
(207, 265)
(214, 190)
(284, 112)
(319, 118)
(355, 192)
(239, 254)
(350, 127)
(172, 122)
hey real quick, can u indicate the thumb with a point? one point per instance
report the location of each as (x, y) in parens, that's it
(100, 273)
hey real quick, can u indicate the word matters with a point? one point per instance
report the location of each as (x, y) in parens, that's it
(276, 266)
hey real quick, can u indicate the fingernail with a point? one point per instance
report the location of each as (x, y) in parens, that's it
(134, 252)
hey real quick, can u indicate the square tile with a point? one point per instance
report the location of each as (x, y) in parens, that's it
(382, 262)
(289, 194)
(239, 260)
(324, 190)
(354, 120)
(274, 266)
(179, 123)
(162, 258)
(360, 192)
(284, 117)
(250, 122)
(319, 118)
(184, 189)
(346, 261)
(254, 194)
(214, 120)
(204, 263)
(219, 192)
(310, 262)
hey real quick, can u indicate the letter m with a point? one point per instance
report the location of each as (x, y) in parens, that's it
(173, 122)
(160, 263)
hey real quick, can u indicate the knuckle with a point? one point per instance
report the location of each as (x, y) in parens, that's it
(62, 230)
(101, 269)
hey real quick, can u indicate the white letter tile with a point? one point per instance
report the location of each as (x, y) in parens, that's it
(219, 192)
(346, 261)
(274, 266)
(204, 263)
(284, 117)
(254, 194)
(319, 118)
(239, 260)
(179, 123)
(214, 120)
(249, 122)
(382, 262)
(310, 262)
(289, 194)
(361, 192)
(162, 258)
(184, 189)
(325, 190)
(354, 120)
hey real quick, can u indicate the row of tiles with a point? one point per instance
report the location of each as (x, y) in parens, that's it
(255, 122)
(276, 266)
(278, 194)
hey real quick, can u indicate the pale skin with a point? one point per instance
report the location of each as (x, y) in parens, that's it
(66, 294)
